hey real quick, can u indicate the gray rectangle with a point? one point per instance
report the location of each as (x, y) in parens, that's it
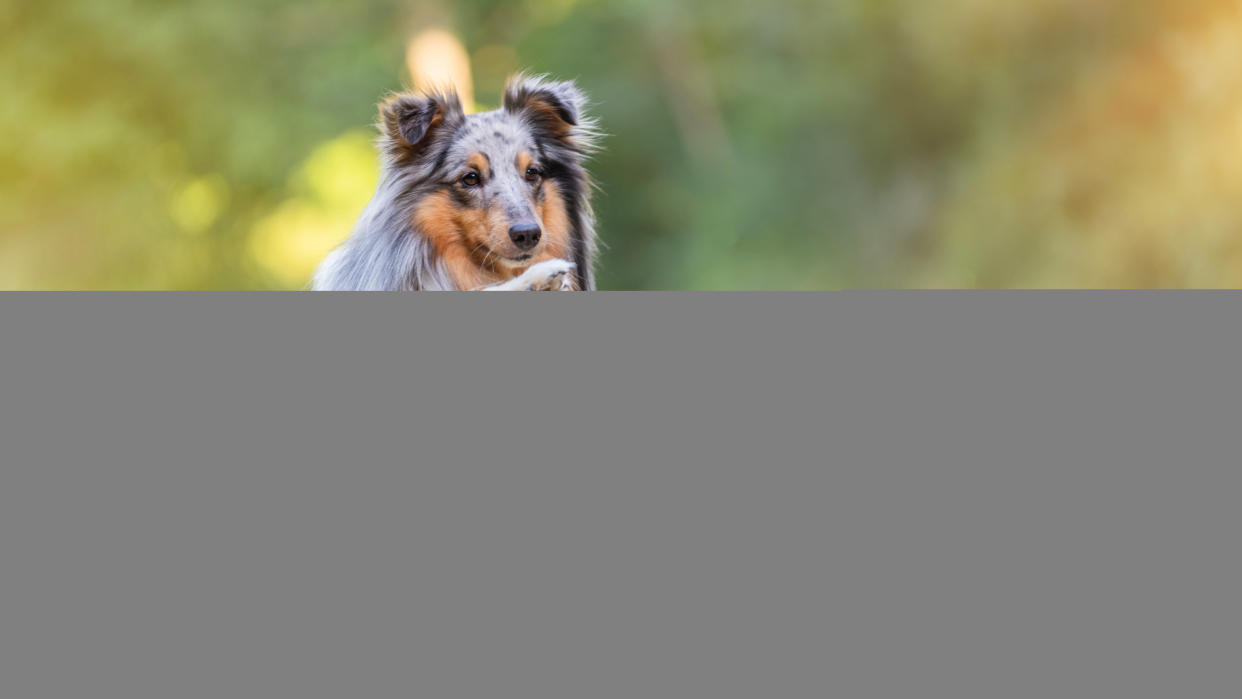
(854, 494)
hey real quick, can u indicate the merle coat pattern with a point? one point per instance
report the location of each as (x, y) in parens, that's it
(407, 237)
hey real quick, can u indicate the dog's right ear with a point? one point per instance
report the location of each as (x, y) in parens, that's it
(556, 107)
(409, 120)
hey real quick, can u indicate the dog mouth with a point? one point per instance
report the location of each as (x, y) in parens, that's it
(515, 261)
(506, 259)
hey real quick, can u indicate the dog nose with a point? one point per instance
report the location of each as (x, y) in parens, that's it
(525, 235)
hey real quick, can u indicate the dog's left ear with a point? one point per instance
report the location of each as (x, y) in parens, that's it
(556, 107)
(409, 120)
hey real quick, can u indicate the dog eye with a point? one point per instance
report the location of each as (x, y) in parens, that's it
(471, 179)
(532, 174)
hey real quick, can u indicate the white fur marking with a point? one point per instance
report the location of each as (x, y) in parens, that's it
(549, 275)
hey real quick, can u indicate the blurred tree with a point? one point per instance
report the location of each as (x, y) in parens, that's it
(798, 145)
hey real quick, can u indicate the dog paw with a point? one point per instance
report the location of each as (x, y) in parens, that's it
(550, 275)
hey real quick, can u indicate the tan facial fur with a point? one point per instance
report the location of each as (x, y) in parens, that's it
(474, 242)
(555, 221)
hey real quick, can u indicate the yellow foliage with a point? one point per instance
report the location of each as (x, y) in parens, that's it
(328, 191)
(197, 204)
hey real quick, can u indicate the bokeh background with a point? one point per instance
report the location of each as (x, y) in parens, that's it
(794, 144)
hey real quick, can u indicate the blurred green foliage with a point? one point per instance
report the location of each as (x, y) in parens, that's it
(799, 144)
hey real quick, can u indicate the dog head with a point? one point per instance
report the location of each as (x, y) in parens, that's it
(505, 186)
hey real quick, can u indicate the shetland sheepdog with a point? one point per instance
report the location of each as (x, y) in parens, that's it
(499, 200)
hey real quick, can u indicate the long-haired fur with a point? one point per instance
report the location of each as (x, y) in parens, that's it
(421, 146)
